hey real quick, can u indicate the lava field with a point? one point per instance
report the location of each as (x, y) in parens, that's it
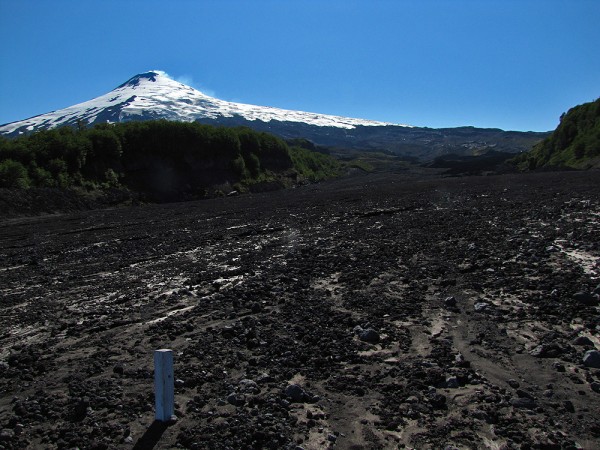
(378, 311)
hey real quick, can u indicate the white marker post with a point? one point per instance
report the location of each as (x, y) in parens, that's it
(164, 384)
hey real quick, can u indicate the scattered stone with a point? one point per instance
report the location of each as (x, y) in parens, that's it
(436, 400)
(236, 365)
(295, 393)
(6, 435)
(481, 306)
(523, 402)
(369, 335)
(524, 394)
(452, 383)
(249, 386)
(583, 341)
(591, 358)
(450, 302)
(568, 405)
(586, 298)
(479, 414)
(228, 332)
(547, 351)
(236, 399)
(460, 361)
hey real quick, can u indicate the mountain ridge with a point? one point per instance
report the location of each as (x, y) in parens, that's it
(575, 143)
(153, 95)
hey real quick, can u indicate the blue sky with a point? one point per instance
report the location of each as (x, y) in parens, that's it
(511, 64)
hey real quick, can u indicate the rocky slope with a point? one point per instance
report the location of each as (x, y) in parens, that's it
(369, 312)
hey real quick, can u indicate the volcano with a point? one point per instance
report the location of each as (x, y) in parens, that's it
(154, 95)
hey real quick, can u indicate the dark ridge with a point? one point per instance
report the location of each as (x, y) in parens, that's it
(135, 81)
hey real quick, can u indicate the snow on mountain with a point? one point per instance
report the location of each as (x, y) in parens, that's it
(153, 95)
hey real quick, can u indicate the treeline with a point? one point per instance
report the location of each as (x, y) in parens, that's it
(575, 143)
(153, 156)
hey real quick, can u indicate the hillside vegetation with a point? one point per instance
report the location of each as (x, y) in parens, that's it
(574, 144)
(162, 159)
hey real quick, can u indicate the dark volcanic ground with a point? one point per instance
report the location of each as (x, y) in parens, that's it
(339, 288)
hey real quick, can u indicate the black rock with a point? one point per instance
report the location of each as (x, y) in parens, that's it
(248, 386)
(591, 358)
(568, 405)
(118, 369)
(450, 302)
(481, 307)
(436, 400)
(369, 335)
(228, 332)
(524, 394)
(586, 298)
(583, 341)
(547, 351)
(6, 435)
(295, 393)
(523, 402)
(452, 383)
(236, 399)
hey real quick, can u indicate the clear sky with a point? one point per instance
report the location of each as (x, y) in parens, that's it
(511, 64)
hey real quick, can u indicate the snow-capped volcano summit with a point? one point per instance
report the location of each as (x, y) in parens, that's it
(154, 95)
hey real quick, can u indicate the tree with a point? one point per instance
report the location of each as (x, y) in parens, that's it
(13, 174)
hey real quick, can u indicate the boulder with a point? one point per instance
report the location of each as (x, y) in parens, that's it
(369, 335)
(450, 302)
(236, 399)
(587, 299)
(481, 306)
(591, 358)
(452, 383)
(295, 393)
(583, 341)
(546, 351)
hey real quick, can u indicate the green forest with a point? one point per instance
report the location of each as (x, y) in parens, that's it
(574, 144)
(156, 157)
